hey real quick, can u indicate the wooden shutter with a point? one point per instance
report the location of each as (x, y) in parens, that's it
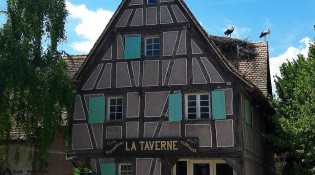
(175, 107)
(96, 109)
(247, 111)
(218, 105)
(108, 169)
(132, 47)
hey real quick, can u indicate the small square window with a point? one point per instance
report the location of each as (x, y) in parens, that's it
(125, 169)
(197, 106)
(152, 46)
(151, 1)
(115, 108)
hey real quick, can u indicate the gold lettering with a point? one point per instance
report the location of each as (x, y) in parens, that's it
(169, 145)
(146, 147)
(133, 146)
(127, 149)
(141, 144)
(163, 145)
(151, 145)
(174, 145)
(157, 146)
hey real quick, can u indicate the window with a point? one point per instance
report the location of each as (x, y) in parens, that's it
(247, 111)
(197, 106)
(152, 1)
(152, 46)
(115, 108)
(125, 169)
(202, 167)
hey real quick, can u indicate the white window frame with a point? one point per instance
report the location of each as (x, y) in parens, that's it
(124, 164)
(108, 107)
(145, 45)
(212, 164)
(198, 117)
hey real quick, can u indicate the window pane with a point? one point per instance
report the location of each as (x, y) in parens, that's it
(112, 102)
(119, 116)
(204, 116)
(112, 116)
(192, 110)
(204, 103)
(119, 109)
(149, 47)
(119, 101)
(156, 52)
(112, 109)
(191, 97)
(156, 46)
(156, 40)
(201, 169)
(149, 41)
(224, 169)
(204, 109)
(192, 103)
(192, 116)
(204, 97)
(151, 1)
(149, 52)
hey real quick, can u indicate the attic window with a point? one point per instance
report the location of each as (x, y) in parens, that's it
(151, 2)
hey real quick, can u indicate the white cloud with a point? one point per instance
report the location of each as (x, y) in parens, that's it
(289, 55)
(91, 25)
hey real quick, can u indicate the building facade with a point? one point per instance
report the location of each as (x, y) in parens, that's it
(157, 96)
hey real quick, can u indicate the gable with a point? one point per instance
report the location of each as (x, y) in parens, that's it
(184, 57)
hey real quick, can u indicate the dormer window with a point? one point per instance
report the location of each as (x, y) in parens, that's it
(151, 2)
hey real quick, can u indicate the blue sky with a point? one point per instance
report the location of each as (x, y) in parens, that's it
(291, 23)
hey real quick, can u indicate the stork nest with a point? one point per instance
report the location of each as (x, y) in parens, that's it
(235, 49)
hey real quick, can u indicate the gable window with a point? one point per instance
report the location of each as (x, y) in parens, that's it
(132, 47)
(115, 108)
(197, 106)
(152, 46)
(151, 1)
(125, 169)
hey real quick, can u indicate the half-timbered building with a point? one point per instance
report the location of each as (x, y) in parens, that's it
(158, 96)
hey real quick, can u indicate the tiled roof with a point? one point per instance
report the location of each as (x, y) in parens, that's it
(74, 63)
(249, 58)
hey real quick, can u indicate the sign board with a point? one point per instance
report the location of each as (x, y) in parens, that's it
(155, 147)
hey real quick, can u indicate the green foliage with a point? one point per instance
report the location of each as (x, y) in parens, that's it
(34, 87)
(295, 112)
(82, 169)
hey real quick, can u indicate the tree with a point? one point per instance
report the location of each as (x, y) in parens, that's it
(34, 86)
(295, 113)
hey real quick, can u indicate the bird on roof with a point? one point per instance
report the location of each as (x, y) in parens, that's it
(264, 33)
(229, 31)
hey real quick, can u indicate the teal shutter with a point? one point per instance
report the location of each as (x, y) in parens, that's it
(108, 169)
(247, 111)
(175, 107)
(96, 110)
(218, 105)
(132, 47)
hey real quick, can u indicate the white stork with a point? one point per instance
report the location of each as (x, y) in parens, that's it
(264, 33)
(229, 31)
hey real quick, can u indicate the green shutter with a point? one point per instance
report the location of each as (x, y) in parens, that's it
(96, 110)
(175, 107)
(108, 169)
(218, 105)
(247, 111)
(132, 47)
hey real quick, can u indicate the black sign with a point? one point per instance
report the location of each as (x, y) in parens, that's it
(152, 147)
